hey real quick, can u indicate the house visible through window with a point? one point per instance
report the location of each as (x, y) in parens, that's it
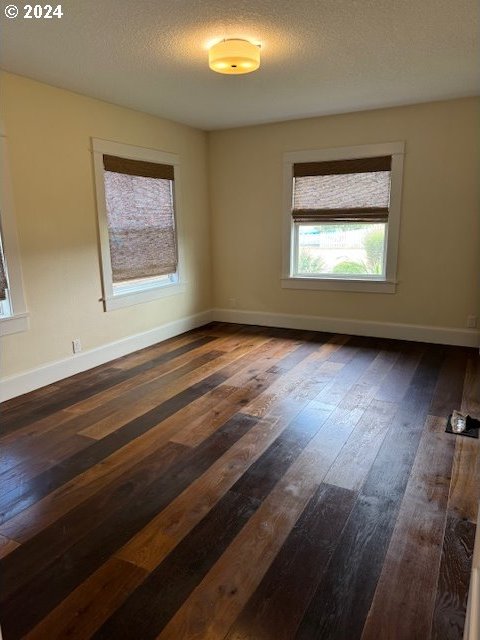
(136, 203)
(341, 212)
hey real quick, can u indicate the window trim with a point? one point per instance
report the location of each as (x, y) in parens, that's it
(386, 284)
(148, 293)
(19, 320)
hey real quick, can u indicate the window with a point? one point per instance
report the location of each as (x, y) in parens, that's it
(137, 223)
(13, 313)
(5, 304)
(342, 218)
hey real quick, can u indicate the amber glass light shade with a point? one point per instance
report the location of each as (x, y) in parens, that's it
(234, 57)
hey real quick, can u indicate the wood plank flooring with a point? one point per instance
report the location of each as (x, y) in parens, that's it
(243, 483)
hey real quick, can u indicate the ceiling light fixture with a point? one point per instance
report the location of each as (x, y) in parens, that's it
(234, 56)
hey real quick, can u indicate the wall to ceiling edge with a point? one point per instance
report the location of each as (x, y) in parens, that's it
(230, 228)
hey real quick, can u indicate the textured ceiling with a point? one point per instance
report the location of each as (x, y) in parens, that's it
(318, 56)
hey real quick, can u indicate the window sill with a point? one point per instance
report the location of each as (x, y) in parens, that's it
(14, 324)
(147, 295)
(338, 284)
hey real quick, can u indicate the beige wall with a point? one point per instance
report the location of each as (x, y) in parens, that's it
(439, 252)
(48, 135)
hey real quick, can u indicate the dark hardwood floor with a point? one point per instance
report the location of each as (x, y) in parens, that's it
(243, 483)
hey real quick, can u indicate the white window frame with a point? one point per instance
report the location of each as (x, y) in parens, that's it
(131, 294)
(18, 318)
(369, 284)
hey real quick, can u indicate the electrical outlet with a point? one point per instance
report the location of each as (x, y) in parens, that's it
(472, 322)
(232, 302)
(76, 345)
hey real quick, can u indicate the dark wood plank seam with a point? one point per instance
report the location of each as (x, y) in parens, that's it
(43, 590)
(326, 616)
(12, 422)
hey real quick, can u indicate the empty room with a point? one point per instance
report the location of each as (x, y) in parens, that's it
(240, 320)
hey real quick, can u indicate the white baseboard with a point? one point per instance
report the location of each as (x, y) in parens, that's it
(47, 374)
(415, 332)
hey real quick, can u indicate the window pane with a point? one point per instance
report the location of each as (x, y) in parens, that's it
(3, 274)
(5, 300)
(141, 284)
(341, 249)
(342, 191)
